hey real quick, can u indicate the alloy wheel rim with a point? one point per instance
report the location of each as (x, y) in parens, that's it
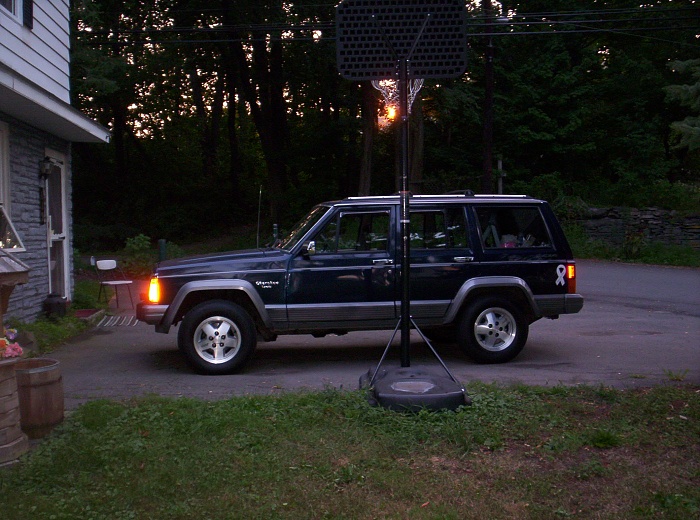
(217, 340)
(495, 329)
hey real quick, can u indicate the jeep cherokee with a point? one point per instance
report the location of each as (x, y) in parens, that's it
(482, 267)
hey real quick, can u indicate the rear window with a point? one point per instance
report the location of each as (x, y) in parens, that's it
(512, 227)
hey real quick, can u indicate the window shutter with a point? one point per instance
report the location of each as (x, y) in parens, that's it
(28, 13)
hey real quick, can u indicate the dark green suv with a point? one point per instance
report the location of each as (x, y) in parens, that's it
(482, 269)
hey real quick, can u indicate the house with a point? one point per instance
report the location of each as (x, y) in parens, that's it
(37, 127)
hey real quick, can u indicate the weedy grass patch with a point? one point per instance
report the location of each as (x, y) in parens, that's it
(518, 452)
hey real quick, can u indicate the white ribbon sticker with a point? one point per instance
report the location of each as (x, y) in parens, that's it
(561, 271)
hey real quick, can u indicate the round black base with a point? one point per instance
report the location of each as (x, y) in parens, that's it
(412, 389)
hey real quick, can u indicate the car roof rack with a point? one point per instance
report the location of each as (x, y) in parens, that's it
(466, 193)
(449, 195)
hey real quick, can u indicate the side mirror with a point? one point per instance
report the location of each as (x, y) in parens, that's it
(308, 249)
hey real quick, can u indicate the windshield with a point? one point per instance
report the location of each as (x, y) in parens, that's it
(301, 228)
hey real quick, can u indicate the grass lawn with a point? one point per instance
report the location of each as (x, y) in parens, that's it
(517, 452)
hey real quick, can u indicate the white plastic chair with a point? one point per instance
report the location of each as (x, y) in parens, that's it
(110, 275)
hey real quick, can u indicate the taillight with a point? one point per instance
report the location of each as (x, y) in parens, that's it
(154, 291)
(571, 278)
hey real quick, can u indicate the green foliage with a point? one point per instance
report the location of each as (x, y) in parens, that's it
(634, 249)
(603, 439)
(172, 250)
(51, 332)
(330, 455)
(548, 186)
(139, 256)
(687, 95)
(676, 376)
(85, 295)
(587, 115)
(138, 246)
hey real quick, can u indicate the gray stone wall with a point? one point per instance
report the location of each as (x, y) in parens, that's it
(615, 225)
(26, 148)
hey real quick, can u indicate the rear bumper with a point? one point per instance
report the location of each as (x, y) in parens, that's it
(555, 304)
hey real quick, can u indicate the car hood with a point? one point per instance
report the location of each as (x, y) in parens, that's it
(231, 261)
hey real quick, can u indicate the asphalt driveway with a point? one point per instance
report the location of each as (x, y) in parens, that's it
(621, 340)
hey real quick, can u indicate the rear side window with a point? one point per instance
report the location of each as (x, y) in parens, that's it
(512, 227)
(438, 229)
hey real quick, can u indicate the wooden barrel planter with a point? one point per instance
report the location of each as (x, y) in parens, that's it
(40, 389)
(13, 442)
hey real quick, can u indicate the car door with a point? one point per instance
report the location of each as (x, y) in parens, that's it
(345, 273)
(441, 260)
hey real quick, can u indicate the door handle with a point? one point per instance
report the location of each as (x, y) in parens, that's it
(463, 259)
(382, 261)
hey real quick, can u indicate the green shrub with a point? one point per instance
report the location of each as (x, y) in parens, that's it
(139, 256)
(51, 332)
(172, 250)
(85, 295)
(635, 248)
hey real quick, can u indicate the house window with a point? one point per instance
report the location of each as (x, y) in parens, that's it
(9, 239)
(22, 9)
(10, 5)
(4, 164)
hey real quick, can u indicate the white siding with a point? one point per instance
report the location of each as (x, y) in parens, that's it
(40, 54)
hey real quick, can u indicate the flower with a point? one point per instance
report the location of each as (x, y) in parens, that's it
(7, 349)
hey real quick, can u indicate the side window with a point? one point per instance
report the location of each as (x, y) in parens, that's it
(456, 228)
(508, 227)
(354, 232)
(438, 229)
(327, 237)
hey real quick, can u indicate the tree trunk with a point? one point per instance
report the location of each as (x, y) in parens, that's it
(369, 130)
(417, 147)
(234, 149)
(262, 86)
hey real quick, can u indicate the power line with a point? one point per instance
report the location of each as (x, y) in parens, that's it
(520, 24)
(329, 38)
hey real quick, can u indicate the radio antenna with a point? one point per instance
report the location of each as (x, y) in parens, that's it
(257, 239)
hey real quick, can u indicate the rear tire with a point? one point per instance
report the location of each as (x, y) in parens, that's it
(217, 337)
(492, 330)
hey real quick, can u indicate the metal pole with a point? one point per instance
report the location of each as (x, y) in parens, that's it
(405, 220)
(162, 251)
(487, 174)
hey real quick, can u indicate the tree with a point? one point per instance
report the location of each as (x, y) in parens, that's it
(209, 101)
(687, 95)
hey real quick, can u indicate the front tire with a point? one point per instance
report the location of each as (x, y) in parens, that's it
(217, 337)
(492, 330)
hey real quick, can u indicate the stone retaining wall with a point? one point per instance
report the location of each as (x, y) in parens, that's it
(616, 225)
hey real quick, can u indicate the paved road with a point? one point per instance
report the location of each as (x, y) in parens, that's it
(640, 326)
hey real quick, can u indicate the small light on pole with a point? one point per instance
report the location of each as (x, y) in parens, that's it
(45, 167)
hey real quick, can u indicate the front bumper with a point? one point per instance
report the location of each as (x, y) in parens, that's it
(150, 313)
